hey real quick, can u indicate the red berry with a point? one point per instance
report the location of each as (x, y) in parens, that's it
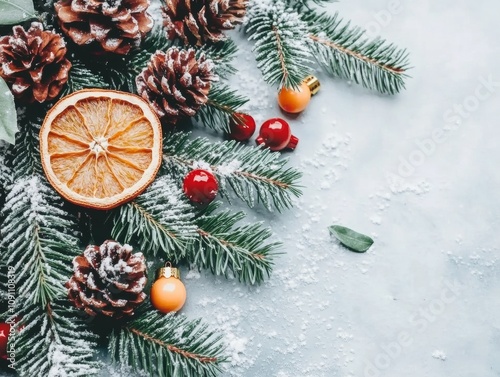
(276, 134)
(4, 338)
(242, 129)
(200, 186)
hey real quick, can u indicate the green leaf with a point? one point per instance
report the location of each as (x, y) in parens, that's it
(8, 116)
(16, 11)
(353, 240)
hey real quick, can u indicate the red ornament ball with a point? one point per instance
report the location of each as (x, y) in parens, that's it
(200, 186)
(276, 134)
(4, 338)
(243, 129)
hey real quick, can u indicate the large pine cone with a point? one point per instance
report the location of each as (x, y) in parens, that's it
(199, 21)
(108, 279)
(34, 63)
(176, 83)
(108, 25)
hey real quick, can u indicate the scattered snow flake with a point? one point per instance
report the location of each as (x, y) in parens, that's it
(440, 355)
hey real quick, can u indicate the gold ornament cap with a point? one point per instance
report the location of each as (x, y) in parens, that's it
(168, 271)
(313, 84)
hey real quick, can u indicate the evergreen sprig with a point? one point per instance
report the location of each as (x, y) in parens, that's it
(222, 54)
(160, 220)
(302, 4)
(167, 345)
(254, 174)
(39, 238)
(5, 173)
(37, 234)
(25, 157)
(81, 77)
(221, 108)
(225, 249)
(280, 38)
(344, 51)
(54, 341)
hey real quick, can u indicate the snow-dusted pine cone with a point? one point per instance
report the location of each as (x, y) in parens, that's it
(33, 62)
(108, 25)
(199, 21)
(108, 279)
(176, 83)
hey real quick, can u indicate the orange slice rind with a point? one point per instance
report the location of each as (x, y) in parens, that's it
(101, 148)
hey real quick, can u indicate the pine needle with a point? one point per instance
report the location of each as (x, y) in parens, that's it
(253, 174)
(344, 51)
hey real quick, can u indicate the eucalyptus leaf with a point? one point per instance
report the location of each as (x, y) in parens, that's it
(8, 115)
(16, 11)
(353, 240)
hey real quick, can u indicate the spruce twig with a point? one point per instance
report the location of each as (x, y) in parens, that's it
(221, 108)
(254, 174)
(167, 345)
(226, 249)
(54, 341)
(280, 38)
(159, 220)
(37, 233)
(222, 54)
(300, 5)
(344, 51)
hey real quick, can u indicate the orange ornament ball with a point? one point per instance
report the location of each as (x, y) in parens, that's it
(168, 294)
(294, 100)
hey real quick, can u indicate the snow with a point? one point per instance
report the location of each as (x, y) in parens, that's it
(439, 355)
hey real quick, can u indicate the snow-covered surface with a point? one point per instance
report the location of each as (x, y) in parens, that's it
(423, 301)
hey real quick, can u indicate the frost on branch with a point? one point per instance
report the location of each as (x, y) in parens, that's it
(160, 220)
(281, 42)
(39, 240)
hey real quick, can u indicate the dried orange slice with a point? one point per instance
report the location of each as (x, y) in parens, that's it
(101, 148)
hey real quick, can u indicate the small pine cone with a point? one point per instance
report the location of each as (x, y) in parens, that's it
(108, 279)
(176, 83)
(34, 63)
(199, 21)
(107, 25)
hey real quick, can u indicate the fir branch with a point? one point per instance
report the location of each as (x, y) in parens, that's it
(254, 174)
(81, 77)
(280, 43)
(26, 153)
(300, 5)
(344, 51)
(54, 341)
(221, 108)
(167, 345)
(39, 238)
(224, 248)
(38, 235)
(158, 220)
(5, 173)
(222, 54)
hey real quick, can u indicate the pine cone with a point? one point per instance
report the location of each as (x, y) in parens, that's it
(108, 280)
(199, 21)
(176, 84)
(109, 25)
(34, 63)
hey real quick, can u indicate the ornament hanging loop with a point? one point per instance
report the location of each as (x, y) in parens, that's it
(168, 271)
(313, 84)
